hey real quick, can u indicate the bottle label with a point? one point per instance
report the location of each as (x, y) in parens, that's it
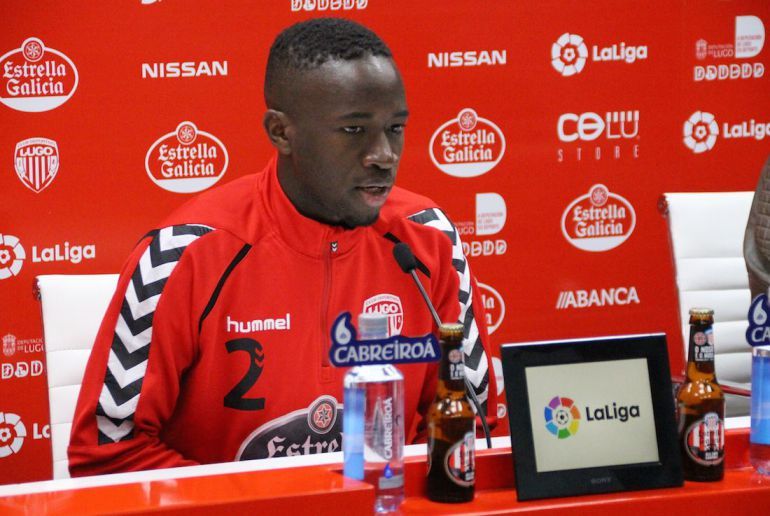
(460, 461)
(704, 440)
(704, 346)
(456, 366)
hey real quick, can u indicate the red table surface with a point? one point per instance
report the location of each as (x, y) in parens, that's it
(323, 490)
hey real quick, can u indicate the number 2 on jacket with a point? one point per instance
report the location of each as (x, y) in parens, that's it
(234, 399)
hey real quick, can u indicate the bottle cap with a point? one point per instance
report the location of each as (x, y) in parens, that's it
(451, 330)
(372, 325)
(701, 312)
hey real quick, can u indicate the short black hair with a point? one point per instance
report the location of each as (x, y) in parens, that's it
(309, 44)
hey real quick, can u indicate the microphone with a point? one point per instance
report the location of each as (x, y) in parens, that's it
(408, 263)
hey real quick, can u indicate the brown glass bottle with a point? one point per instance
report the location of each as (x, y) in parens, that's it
(701, 405)
(451, 426)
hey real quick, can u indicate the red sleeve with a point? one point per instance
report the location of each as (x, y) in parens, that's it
(146, 341)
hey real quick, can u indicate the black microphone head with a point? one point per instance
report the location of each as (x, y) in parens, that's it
(405, 257)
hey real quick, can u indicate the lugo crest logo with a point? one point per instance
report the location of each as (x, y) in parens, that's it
(389, 305)
(598, 221)
(467, 146)
(36, 161)
(36, 78)
(186, 160)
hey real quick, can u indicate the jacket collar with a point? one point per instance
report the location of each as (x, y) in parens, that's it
(305, 235)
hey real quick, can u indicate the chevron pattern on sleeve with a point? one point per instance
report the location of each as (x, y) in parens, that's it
(131, 342)
(475, 357)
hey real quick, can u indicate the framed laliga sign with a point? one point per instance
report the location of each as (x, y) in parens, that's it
(591, 416)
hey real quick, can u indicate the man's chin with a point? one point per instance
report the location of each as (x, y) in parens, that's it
(360, 220)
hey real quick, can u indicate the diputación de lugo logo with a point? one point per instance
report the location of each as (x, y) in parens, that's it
(598, 221)
(467, 146)
(562, 417)
(36, 78)
(186, 160)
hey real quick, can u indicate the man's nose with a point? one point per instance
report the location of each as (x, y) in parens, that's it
(380, 152)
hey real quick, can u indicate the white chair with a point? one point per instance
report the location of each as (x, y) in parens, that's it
(72, 307)
(706, 231)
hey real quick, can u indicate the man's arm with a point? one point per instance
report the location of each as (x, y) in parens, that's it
(462, 292)
(145, 343)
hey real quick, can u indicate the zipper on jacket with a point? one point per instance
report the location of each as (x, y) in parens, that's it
(326, 366)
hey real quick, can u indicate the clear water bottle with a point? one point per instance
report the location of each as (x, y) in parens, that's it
(759, 439)
(373, 423)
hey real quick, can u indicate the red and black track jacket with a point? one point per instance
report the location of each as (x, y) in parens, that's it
(215, 345)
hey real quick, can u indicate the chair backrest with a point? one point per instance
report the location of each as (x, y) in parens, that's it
(73, 307)
(706, 232)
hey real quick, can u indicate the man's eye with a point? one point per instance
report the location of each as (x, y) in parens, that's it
(353, 129)
(397, 129)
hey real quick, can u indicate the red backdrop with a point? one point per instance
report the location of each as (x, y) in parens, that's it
(548, 130)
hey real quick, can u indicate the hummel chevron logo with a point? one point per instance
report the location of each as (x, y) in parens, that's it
(475, 358)
(130, 348)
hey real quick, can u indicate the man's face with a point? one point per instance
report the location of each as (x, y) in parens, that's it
(346, 134)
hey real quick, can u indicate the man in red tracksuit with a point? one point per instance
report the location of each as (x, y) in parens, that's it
(215, 346)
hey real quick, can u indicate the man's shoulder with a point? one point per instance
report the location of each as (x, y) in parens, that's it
(403, 203)
(229, 207)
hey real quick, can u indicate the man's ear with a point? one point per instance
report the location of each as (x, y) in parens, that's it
(276, 125)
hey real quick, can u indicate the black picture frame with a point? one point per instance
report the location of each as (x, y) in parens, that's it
(531, 484)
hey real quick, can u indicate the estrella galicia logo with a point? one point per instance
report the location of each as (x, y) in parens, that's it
(562, 417)
(235, 398)
(346, 350)
(758, 333)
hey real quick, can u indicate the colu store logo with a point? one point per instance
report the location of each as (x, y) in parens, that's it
(598, 221)
(467, 146)
(186, 160)
(590, 126)
(569, 53)
(701, 131)
(36, 78)
(36, 161)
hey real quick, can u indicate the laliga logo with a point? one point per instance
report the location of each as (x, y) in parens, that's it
(700, 132)
(568, 54)
(187, 160)
(12, 256)
(494, 306)
(598, 221)
(467, 146)
(36, 161)
(12, 434)
(562, 417)
(36, 78)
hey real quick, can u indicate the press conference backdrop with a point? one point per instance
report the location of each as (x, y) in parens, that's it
(546, 129)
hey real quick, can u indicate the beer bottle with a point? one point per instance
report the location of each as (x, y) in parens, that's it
(451, 426)
(701, 404)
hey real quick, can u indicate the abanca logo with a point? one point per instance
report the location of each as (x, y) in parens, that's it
(700, 132)
(562, 417)
(12, 256)
(36, 78)
(186, 160)
(598, 221)
(467, 146)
